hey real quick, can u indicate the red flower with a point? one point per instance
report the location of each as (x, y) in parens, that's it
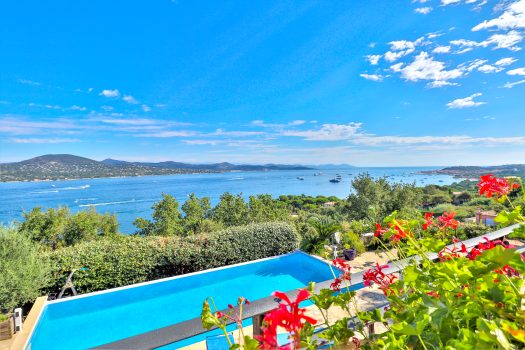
(447, 220)
(400, 233)
(429, 220)
(380, 231)
(433, 294)
(509, 271)
(491, 186)
(289, 316)
(336, 284)
(230, 306)
(341, 264)
(377, 276)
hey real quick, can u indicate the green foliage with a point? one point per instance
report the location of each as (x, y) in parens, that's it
(375, 199)
(167, 219)
(471, 230)
(353, 240)
(322, 229)
(196, 212)
(23, 271)
(59, 227)
(133, 259)
(231, 210)
(263, 209)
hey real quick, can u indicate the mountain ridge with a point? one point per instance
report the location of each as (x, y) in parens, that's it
(68, 166)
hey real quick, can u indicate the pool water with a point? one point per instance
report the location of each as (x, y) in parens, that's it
(97, 318)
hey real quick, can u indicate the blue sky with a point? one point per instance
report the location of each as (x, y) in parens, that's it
(372, 83)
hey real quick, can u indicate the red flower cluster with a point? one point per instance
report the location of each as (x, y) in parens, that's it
(380, 231)
(429, 221)
(443, 222)
(491, 186)
(400, 233)
(290, 317)
(455, 252)
(447, 220)
(346, 275)
(377, 276)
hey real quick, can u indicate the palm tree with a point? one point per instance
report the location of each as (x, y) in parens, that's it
(325, 229)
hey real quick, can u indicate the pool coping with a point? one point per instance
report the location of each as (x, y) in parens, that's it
(21, 339)
(165, 279)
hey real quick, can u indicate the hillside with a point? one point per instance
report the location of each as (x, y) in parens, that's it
(212, 167)
(476, 171)
(67, 166)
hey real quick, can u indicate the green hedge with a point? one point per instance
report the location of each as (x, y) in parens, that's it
(114, 262)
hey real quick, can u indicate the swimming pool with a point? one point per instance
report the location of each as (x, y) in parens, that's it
(93, 319)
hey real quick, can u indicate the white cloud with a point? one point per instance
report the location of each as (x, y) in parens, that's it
(401, 48)
(508, 41)
(77, 108)
(513, 17)
(222, 132)
(423, 10)
(327, 132)
(487, 68)
(517, 71)
(351, 133)
(461, 103)
(146, 108)
(504, 41)
(441, 49)
(107, 108)
(511, 85)
(29, 82)
(425, 67)
(110, 93)
(130, 99)
(373, 77)
(441, 83)
(469, 66)
(373, 59)
(297, 122)
(43, 140)
(167, 134)
(505, 61)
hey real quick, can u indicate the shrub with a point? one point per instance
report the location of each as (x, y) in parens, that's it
(353, 240)
(59, 227)
(471, 230)
(23, 273)
(131, 259)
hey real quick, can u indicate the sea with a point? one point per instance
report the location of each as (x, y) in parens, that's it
(133, 197)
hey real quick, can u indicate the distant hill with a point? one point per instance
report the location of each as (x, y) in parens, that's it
(67, 166)
(476, 171)
(215, 166)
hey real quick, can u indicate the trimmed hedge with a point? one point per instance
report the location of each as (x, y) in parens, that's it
(114, 262)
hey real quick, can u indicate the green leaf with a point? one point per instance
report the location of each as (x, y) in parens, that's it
(506, 218)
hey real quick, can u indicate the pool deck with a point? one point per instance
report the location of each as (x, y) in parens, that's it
(19, 339)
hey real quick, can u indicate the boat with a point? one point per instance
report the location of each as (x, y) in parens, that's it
(335, 180)
(300, 178)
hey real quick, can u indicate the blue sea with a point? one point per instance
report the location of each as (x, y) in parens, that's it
(133, 197)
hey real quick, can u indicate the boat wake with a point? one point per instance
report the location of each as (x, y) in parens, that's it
(58, 189)
(236, 178)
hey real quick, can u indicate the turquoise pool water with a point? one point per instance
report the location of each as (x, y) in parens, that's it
(98, 318)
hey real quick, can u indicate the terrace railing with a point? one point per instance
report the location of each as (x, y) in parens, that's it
(258, 308)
